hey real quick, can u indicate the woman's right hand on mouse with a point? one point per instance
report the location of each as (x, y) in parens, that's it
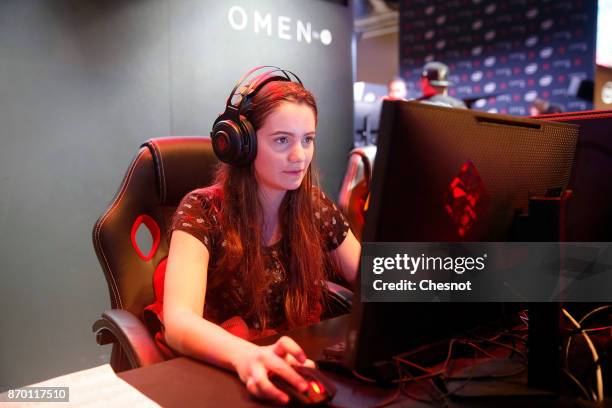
(256, 365)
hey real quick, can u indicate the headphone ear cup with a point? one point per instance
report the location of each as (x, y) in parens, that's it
(234, 143)
(249, 142)
(226, 140)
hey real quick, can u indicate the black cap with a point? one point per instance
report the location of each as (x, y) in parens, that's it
(436, 73)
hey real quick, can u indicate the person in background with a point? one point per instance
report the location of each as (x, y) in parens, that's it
(434, 83)
(396, 90)
(543, 107)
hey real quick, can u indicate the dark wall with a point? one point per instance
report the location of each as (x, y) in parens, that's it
(207, 57)
(82, 84)
(521, 48)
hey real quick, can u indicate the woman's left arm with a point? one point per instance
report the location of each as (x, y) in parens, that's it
(347, 256)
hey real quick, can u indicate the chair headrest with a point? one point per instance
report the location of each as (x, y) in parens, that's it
(181, 165)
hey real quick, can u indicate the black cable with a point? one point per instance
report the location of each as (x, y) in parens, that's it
(592, 312)
(492, 376)
(577, 325)
(580, 331)
(579, 384)
(441, 397)
(497, 343)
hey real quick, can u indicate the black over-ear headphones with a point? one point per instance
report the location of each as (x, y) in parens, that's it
(233, 137)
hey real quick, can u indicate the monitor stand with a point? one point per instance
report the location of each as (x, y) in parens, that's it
(544, 223)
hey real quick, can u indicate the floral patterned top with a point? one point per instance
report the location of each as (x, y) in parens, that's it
(198, 214)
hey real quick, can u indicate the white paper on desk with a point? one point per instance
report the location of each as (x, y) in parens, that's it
(94, 387)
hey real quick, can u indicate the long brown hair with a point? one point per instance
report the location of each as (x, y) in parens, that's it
(242, 217)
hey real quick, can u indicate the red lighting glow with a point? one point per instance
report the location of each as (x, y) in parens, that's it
(315, 387)
(464, 193)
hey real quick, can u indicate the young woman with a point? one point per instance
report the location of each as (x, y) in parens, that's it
(248, 256)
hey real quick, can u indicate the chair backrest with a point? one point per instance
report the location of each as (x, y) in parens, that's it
(163, 171)
(356, 186)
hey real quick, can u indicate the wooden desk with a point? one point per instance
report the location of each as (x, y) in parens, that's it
(185, 382)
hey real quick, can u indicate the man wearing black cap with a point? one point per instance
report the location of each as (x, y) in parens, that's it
(434, 82)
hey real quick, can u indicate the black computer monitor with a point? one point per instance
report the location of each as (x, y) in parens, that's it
(366, 122)
(589, 209)
(449, 175)
(588, 217)
(367, 106)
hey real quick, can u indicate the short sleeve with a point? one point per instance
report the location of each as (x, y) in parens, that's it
(333, 225)
(196, 215)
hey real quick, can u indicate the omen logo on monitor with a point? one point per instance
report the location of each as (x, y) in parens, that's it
(465, 197)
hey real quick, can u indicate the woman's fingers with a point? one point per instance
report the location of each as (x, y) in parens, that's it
(260, 386)
(310, 363)
(279, 366)
(276, 359)
(286, 345)
(252, 388)
(293, 362)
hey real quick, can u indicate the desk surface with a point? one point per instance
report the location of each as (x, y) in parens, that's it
(184, 382)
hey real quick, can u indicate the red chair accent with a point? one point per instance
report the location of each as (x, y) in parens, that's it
(155, 233)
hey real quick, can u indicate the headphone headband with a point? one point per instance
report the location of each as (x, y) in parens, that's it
(263, 78)
(233, 137)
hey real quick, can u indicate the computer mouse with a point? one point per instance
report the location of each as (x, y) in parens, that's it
(320, 388)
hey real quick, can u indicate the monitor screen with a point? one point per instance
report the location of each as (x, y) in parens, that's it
(449, 175)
